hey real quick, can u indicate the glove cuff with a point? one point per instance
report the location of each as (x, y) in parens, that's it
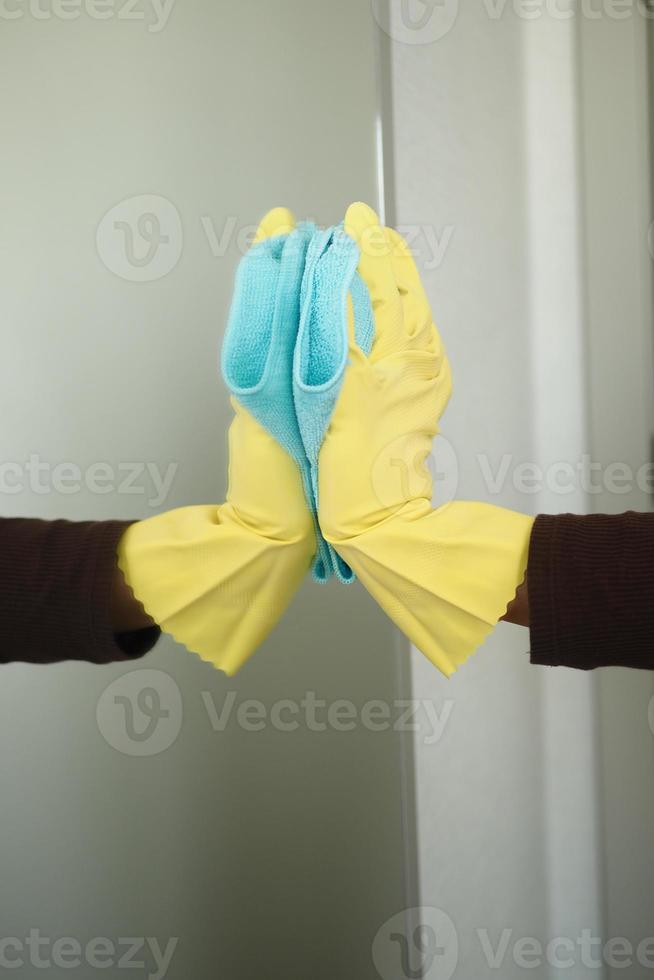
(445, 577)
(215, 586)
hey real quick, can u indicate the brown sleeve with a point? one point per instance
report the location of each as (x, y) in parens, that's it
(591, 591)
(56, 580)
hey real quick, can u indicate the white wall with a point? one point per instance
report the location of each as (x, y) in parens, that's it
(520, 142)
(459, 170)
(617, 129)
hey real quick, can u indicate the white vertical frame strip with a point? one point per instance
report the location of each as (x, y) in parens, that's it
(384, 135)
(618, 137)
(570, 781)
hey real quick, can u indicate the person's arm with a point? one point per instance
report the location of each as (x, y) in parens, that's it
(126, 613)
(590, 599)
(218, 577)
(517, 611)
(63, 597)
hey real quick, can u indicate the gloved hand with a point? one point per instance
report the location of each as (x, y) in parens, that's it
(444, 576)
(217, 578)
(259, 344)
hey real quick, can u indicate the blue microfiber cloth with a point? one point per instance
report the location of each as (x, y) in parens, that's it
(322, 343)
(257, 353)
(285, 347)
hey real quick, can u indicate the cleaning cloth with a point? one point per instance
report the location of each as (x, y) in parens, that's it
(286, 344)
(332, 291)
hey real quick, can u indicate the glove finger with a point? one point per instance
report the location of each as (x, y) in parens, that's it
(404, 266)
(376, 270)
(355, 354)
(279, 221)
(417, 316)
(444, 385)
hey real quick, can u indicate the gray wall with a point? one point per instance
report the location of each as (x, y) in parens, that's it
(271, 853)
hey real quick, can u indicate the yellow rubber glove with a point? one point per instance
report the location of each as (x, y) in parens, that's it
(444, 576)
(217, 578)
